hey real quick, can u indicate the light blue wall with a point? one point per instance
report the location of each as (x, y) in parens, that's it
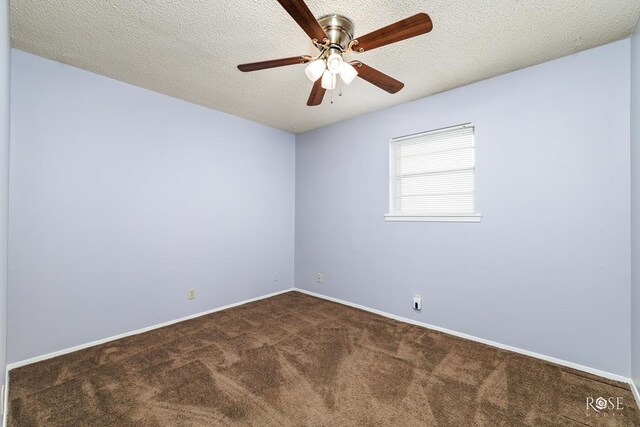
(122, 199)
(547, 269)
(635, 207)
(5, 88)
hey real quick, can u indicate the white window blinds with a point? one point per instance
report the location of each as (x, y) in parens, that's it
(432, 173)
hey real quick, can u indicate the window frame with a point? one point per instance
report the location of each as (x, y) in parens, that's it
(394, 217)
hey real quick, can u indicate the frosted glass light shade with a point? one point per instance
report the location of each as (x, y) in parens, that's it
(348, 73)
(328, 80)
(334, 63)
(315, 69)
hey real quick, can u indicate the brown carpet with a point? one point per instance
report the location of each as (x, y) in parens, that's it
(298, 360)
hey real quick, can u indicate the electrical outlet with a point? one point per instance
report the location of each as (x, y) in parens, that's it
(319, 278)
(192, 293)
(276, 278)
(417, 302)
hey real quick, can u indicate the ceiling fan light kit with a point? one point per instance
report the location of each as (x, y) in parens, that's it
(329, 80)
(334, 63)
(348, 73)
(333, 36)
(315, 70)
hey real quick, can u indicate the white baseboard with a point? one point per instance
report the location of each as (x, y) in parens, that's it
(137, 331)
(583, 368)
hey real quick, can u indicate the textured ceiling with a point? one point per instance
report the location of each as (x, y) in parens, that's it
(189, 49)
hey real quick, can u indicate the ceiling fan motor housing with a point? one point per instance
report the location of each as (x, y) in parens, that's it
(339, 30)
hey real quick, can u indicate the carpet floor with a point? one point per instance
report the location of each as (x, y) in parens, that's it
(294, 360)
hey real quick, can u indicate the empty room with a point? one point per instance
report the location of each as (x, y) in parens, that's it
(319, 213)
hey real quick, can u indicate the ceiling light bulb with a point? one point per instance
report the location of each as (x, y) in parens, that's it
(315, 69)
(334, 63)
(328, 80)
(348, 73)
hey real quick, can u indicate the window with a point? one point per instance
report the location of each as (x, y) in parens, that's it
(432, 176)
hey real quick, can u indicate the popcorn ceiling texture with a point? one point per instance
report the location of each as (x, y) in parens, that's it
(189, 49)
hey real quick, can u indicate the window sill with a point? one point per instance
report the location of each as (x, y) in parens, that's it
(434, 218)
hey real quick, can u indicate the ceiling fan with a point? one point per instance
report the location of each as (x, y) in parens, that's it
(333, 36)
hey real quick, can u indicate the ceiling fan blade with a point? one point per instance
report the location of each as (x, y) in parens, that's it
(303, 16)
(255, 66)
(317, 93)
(377, 78)
(410, 27)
